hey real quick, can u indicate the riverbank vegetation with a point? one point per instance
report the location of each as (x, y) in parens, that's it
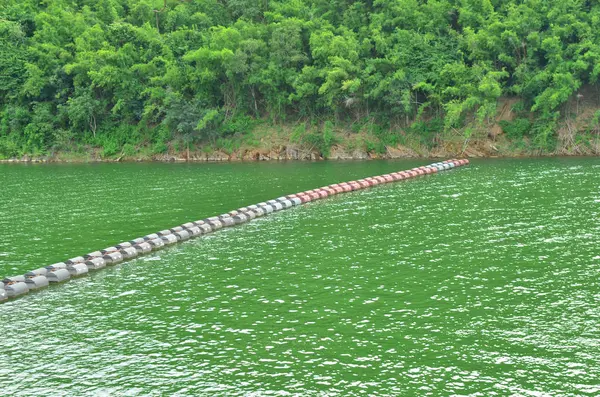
(308, 78)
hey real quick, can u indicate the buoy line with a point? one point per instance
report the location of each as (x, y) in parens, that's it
(12, 287)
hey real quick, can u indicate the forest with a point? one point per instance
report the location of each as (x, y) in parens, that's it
(124, 77)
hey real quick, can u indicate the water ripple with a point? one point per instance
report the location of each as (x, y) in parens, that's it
(475, 282)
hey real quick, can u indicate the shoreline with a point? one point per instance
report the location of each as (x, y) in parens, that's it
(283, 149)
(292, 143)
(234, 159)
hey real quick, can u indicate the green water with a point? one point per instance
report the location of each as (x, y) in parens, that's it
(480, 281)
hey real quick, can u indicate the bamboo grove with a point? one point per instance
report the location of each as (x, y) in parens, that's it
(125, 73)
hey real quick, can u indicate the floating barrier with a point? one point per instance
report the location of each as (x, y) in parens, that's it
(11, 287)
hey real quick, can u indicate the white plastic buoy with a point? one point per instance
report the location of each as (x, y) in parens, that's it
(215, 224)
(164, 233)
(37, 272)
(194, 231)
(182, 235)
(95, 264)
(285, 202)
(79, 269)
(176, 229)
(126, 244)
(60, 275)
(13, 279)
(159, 242)
(16, 288)
(109, 250)
(152, 236)
(143, 248)
(188, 225)
(249, 214)
(240, 218)
(113, 258)
(275, 204)
(226, 220)
(78, 259)
(56, 266)
(267, 208)
(296, 201)
(36, 282)
(138, 240)
(128, 252)
(204, 227)
(170, 239)
(92, 255)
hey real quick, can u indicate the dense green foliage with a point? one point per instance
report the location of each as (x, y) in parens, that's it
(118, 74)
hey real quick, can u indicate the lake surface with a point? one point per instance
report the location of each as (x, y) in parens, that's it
(480, 281)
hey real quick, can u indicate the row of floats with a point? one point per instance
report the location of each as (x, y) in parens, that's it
(12, 287)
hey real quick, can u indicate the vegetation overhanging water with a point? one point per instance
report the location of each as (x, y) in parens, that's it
(303, 79)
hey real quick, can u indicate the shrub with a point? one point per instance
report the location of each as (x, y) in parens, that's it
(8, 148)
(426, 132)
(110, 148)
(517, 128)
(129, 150)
